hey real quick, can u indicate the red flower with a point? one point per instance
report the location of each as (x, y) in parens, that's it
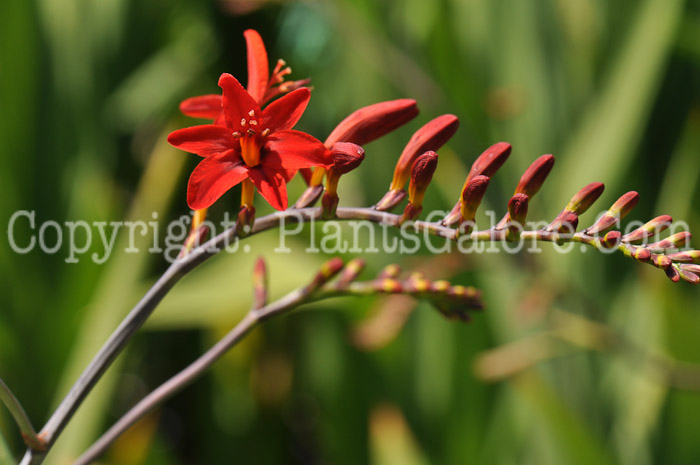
(260, 86)
(249, 144)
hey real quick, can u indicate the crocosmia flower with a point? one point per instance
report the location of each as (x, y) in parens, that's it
(250, 143)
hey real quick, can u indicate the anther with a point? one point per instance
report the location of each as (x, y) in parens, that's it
(251, 113)
(265, 132)
(253, 122)
(243, 121)
(236, 134)
(250, 132)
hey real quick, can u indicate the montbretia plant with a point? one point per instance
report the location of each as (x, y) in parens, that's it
(250, 140)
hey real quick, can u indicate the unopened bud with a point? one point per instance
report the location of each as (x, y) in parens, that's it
(676, 241)
(661, 261)
(611, 239)
(351, 271)
(641, 254)
(619, 210)
(346, 157)
(531, 181)
(390, 200)
(390, 271)
(329, 205)
(688, 276)
(688, 256)
(432, 136)
(649, 229)
(490, 160)
(327, 271)
(585, 198)
(517, 211)
(373, 121)
(565, 223)
(673, 274)
(421, 175)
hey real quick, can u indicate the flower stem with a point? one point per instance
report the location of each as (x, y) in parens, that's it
(20, 416)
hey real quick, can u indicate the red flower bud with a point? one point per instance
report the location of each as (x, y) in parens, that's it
(585, 198)
(373, 121)
(472, 194)
(517, 211)
(611, 239)
(421, 175)
(688, 275)
(619, 210)
(432, 136)
(676, 241)
(533, 178)
(490, 160)
(690, 256)
(649, 229)
(346, 157)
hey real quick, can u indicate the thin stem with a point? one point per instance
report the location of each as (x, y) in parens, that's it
(138, 315)
(25, 425)
(190, 373)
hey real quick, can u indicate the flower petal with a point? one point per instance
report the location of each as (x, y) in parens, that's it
(237, 103)
(205, 106)
(293, 150)
(284, 112)
(271, 185)
(204, 140)
(258, 68)
(213, 177)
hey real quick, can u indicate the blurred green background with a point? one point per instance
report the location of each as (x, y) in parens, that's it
(577, 359)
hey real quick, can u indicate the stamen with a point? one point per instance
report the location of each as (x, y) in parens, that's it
(266, 132)
(250, 132)
(251, 113)
(243, 121)
(253, 122)
(236, 134)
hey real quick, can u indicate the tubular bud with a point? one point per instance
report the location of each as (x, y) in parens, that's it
(327, 271)
(619, 210)
(490, 161)
(346, 157)
(584, 198)
(649, 229)
(641, 254)
(421, 175)
(351, 271)
(329, 205)
(517, 211)
(690, 256)
(373, 121)
(661, 261)
(565, 223)
(688, 276)
(692, 268)
(432, 136)
(673, 274)
(675, 241)
(533, 178)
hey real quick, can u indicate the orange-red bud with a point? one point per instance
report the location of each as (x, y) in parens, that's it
(490, 161)
(676, 241)
(690, 256)
(611, 239)
(688, 275)
(373, 121)
(432, 136)
(346, 157)
(421, 175)
(517, 211)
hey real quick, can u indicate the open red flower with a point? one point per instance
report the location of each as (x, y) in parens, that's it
(254, 144)
(261, 86)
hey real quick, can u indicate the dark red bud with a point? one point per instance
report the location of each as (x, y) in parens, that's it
(490, 160)
(346, 157)
(533, 178)
(422, 173)
(584, 198)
